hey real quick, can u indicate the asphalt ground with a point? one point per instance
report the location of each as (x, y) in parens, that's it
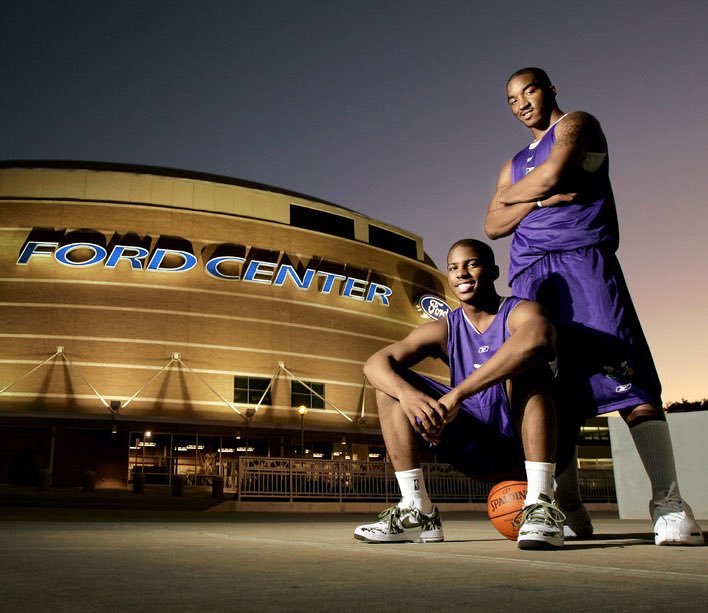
(143, 555)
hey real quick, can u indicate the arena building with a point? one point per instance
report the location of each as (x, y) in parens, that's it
(169, 322)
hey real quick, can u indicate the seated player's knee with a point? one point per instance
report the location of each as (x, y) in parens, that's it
(384, 402)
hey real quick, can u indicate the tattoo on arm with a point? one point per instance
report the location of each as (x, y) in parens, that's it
(582, 130)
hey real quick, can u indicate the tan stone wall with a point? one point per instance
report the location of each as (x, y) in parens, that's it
(119, 327)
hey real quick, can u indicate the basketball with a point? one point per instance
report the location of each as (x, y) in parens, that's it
(504, 502)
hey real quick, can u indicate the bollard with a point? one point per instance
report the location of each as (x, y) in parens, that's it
(138, 483)
(178, 485)
(45, 479)
(217, 487)
(89, 484)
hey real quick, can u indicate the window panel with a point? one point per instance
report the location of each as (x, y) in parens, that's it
(248, 390)
(299, 395)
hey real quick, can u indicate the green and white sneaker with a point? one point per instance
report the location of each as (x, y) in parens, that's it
(541, 525)
(407, 525)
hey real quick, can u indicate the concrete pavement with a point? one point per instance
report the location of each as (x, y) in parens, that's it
(84, 558)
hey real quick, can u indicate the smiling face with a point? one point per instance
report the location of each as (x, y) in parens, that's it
(531, 101)
(471, 272)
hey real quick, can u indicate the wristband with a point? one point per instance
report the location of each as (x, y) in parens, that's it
(538, 204)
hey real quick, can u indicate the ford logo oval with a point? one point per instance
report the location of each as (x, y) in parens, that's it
(433, 307)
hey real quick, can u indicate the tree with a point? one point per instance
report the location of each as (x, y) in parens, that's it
(684, 406)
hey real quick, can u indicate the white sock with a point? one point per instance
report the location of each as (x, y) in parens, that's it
(653, 442)
(566, 485)
(539, 476)
(413, 491)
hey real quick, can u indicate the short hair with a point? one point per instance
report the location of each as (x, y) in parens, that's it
(483, 250)
(539, 74)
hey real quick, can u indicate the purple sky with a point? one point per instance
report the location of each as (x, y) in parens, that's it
(395, 109)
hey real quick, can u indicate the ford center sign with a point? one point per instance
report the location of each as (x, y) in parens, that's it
(111, 254)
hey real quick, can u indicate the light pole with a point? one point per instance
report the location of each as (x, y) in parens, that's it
(302, 410)
(148, 435)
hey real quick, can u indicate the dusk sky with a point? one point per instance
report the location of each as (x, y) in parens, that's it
(393, 108)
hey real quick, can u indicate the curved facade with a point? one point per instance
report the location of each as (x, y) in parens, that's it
(144, 299)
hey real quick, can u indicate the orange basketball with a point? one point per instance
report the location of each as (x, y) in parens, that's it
(503, 505)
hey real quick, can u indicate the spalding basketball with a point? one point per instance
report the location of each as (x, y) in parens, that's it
(503, 505)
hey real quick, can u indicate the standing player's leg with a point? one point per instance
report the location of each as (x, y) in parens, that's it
(673, 519)
(578, 523)
(541, 521)
(549, 282)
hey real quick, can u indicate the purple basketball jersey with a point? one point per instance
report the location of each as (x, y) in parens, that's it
(592, 222)
(564, 257)
(482, 440)
(467, 350)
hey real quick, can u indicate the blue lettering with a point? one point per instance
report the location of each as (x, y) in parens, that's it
(189, 261)
(227, 267)
(212, 267)
(44, 249)
(258, 267)
(126, 252)
(62, 255)
(356, 287)
(381, 291)
(330, 278)
(286, 271)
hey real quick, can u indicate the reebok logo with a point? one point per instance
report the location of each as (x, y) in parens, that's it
(623, 388)
(483, 349)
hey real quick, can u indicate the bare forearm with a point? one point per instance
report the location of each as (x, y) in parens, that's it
(523, 351)
(503, 220)
(537, 185)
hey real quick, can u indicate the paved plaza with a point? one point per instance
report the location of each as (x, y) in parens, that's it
(142, 557)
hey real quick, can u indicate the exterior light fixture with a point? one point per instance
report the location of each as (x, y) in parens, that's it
(302, 410)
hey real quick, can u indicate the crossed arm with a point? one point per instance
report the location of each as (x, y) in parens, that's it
(579, 142)
(531, 343)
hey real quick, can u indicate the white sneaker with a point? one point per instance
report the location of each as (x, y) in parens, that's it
(541, 525)
(397, 525)
(577, 522)
(674, 523)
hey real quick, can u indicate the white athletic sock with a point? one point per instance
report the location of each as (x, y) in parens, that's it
(653, 442)
(539, 476)
(566, 485)
(413, 491)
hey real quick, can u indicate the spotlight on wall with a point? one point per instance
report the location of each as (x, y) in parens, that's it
(114, 425)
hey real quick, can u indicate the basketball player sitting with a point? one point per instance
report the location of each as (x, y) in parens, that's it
(496, 421)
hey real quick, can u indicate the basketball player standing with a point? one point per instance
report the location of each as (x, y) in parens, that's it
(555, 197)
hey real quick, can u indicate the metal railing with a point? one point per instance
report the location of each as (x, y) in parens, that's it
(597, 485)
(291, 479)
